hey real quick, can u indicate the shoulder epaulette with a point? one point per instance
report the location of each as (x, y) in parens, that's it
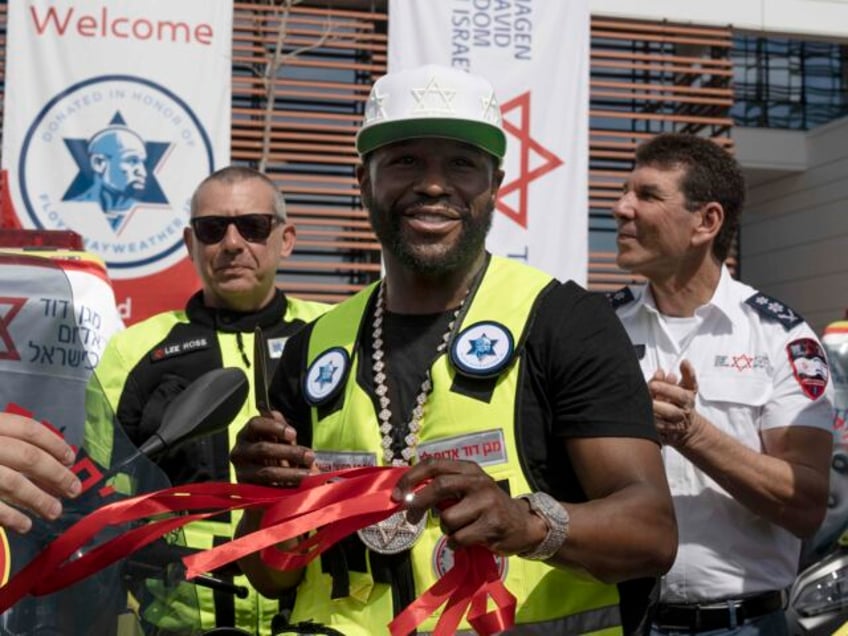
(775, 310)
(620, 297)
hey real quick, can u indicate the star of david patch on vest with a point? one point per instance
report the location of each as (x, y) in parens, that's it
(482, 350)
(774, 310)
(326, 376)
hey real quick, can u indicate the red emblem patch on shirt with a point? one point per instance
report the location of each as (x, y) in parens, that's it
(809, 365)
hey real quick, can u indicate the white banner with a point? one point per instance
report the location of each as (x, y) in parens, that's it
(536, 53)
(114, 112)
(57, 312)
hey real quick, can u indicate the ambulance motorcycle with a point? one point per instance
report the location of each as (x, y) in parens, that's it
(818, 600)
(49, 353)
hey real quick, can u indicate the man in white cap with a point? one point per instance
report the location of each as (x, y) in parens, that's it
(516, 395)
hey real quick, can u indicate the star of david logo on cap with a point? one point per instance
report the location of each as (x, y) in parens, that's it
(527, 145)
(491, 110)
(433, 98)
(9, 308)
(482, 347)
(374, 109)
(326, 373)
(117, 170)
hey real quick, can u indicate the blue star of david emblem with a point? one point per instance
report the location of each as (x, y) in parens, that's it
(116, 170)
(325, 373)
(482, 347)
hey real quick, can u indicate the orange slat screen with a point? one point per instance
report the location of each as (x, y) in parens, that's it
(299, 123)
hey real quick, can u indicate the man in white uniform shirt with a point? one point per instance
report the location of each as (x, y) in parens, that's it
(740, 388)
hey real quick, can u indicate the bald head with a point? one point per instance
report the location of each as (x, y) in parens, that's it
(118, 156)
(235, 174)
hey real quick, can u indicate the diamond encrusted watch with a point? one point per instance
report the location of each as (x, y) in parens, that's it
(555, 517)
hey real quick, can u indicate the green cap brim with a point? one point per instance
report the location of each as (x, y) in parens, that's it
(487, 137)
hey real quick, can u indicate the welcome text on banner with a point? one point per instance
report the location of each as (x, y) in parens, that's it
(114, 112)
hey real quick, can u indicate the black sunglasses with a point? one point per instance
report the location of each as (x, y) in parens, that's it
(252, 227)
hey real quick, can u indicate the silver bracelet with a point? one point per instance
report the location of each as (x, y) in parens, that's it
(555, 517)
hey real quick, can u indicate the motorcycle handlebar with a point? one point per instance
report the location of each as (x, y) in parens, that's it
(152, 560)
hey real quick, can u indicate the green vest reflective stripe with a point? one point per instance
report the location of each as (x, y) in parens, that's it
(466, 428)
(253, 613)
(305, 310)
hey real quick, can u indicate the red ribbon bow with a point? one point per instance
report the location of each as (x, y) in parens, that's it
(330, 506)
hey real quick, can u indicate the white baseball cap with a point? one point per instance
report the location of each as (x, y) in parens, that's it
(432, 101)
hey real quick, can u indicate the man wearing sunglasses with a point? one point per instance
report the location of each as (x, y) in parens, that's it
(237, 236)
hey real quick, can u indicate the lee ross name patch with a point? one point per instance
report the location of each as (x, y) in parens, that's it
(172, 349)
(809, 365)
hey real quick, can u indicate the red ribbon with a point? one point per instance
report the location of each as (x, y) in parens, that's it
(473, 578)
(52, 568)
(331, 506)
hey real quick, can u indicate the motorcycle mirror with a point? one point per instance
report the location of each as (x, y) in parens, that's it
(206, 406)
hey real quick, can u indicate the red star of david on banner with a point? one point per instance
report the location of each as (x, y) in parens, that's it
(9, 307)
(527, 145)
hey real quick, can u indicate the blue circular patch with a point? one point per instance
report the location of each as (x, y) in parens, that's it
(483, 350)
(326, 376)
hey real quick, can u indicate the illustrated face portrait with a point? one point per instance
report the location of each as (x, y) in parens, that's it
(119, 158)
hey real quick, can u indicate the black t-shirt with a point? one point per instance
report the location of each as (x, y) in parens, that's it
(581, 379)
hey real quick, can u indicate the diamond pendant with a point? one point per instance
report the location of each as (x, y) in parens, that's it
(393, 534)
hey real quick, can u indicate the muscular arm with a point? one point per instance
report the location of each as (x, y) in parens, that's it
(602, 415)
(624, 526)
(627, 529)
(786, 483)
